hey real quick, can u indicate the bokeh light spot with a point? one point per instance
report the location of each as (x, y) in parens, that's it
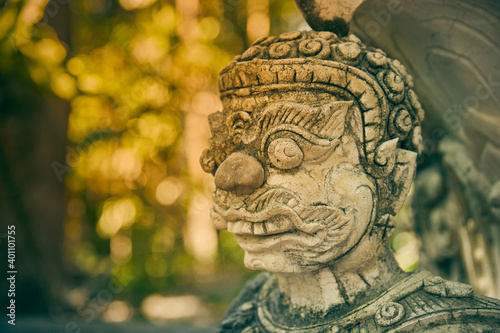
(90, 83)
(168, 191)
(116, 213)
(149, 49)
(121, 249)
(76, 66)
(50, 50)
(136, 4)
(164, 308)
(64, 85)
(118, 312)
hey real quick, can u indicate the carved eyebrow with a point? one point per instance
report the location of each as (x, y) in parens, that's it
(326, 121)
(298, 130)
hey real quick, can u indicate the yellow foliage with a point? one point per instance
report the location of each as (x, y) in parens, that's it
(118, 213)
(136, 4)
(63, 85)
(50, 51)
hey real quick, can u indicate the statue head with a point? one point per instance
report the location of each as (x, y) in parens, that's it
(314, 152)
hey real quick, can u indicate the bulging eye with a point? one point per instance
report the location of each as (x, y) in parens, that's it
(285, 154)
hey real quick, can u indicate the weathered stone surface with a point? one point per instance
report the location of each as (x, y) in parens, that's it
(310, 170)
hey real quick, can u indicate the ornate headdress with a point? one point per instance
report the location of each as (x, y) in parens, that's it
(310, 60)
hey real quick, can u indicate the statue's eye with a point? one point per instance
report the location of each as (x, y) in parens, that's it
(285, 154)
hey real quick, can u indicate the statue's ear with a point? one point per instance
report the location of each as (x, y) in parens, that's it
(394, 189)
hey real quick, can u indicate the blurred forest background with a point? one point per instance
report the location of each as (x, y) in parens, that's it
(103, 117)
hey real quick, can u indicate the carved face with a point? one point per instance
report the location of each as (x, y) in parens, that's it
(289, 181)
(309, 118)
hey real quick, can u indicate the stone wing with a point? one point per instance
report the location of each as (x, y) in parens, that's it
(452, 49)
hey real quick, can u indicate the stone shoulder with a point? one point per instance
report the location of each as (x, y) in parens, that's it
(420, 303)
(242, 312)
(427, 312)
(437, 305)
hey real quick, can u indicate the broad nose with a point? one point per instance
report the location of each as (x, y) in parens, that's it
(240, 174)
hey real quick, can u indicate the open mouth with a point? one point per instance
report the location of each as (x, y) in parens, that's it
(275, 211)
(295, 241)
(240, 221)
(275, 225)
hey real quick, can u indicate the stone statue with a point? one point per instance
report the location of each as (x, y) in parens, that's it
(313, 155)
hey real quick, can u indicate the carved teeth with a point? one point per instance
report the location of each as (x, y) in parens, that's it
(240, 227)
(258, 229)
(277, 225)
(292, 203)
